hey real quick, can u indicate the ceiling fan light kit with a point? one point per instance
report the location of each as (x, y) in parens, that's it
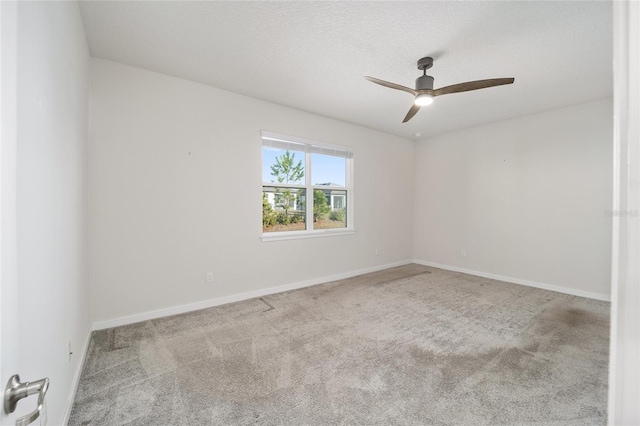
(423, 99)
(424, 92)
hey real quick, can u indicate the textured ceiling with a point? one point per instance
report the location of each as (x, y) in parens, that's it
(313, 55)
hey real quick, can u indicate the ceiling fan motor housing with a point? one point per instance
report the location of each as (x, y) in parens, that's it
(424, 82)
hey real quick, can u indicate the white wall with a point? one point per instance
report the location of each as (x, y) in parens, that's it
(175, 191)
(526, 198)
(49, 204)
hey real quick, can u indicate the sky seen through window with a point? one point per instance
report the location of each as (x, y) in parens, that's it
(324, 168)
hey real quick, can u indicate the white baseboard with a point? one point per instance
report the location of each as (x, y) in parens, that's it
(173, 310)
(76, 379)
(559, 289)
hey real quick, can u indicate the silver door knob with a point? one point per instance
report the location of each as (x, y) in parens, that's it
(15, 391)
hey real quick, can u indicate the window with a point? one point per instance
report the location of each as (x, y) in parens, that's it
(306, 188)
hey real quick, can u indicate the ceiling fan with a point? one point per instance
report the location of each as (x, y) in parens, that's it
(424, 91)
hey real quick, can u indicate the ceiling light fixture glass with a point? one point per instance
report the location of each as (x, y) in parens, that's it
(424, 99)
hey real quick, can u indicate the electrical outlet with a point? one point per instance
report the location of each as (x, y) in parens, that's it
(209, 277)
(463, 253)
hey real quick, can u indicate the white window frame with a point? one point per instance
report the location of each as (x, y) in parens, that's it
(309, 147)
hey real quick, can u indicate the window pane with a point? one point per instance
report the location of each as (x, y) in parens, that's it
(283, 209)
(329, 208)
(282, 166)
(328, 170)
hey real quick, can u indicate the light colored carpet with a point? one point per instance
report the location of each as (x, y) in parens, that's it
(409, 345)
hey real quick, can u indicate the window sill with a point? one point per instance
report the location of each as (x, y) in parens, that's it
(296, 235)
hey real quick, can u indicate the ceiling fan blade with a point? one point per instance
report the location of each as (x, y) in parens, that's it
(414, 109)
(472, 85)
(392, 85)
